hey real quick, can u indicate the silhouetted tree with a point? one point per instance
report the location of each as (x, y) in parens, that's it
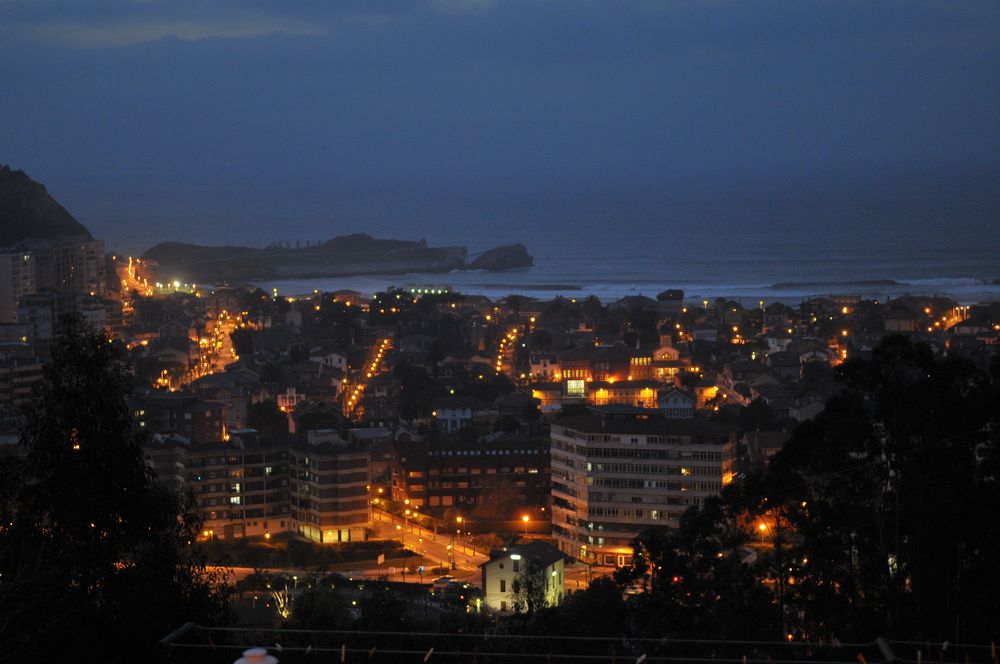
(93, 555)
(242, 339)
(417, 393)
(267, 419)
(757, 416)
(887, 491)
(528, 588)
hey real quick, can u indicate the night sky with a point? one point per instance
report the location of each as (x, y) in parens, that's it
(494, 99)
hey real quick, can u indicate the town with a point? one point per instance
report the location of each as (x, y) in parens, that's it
(456, 425)
(421, 459)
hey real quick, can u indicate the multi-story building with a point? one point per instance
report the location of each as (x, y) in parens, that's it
(67, 264)
(330, 486)
(499, 473)
(506, 569)
(616, 471)
(18, 376)
(639, 393)
(240, 486)
(243, 487)
(181, 413)
(19, 371)
(17, 279)
(41, 311)
(452, 414)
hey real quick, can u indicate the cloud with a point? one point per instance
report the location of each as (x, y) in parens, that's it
(129, 32)
(462, 6)
(116, 23)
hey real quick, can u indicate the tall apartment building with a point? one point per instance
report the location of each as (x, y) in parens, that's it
(617, 471)
(329, 489)
(317, 487)
(42, 310)
(62, 265)
(18, 376)
(68, 264)
(188, 415)
(17, 279)
(241, 486)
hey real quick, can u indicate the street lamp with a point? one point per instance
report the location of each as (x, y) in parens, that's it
(458, 529)
(525, 519)
(763, 529)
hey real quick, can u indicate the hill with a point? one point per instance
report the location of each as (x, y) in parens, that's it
(346, 255)
(28, 211)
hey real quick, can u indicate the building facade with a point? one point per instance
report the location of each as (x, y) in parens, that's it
(507, 568)
(17, 279)
(329, 489)
(615, 473)
(492, 475)
(317, 487)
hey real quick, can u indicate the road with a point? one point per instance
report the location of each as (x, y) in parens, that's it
(434, 549)
(370, 369)
(437, 549)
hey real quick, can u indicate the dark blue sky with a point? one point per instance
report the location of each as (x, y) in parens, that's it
(492, 99)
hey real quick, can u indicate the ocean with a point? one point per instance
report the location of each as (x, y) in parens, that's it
(747, 248)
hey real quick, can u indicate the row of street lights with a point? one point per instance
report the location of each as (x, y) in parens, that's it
(354, 396)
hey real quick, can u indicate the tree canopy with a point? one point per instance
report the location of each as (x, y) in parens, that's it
(874, 520)
(92, 552)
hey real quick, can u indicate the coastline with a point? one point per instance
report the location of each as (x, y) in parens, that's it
(528, 282)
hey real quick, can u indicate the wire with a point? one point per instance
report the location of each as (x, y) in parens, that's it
(536, 655)
(486, 636)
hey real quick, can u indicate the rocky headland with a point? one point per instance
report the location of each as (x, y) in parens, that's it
(348, 255)
(27, 211)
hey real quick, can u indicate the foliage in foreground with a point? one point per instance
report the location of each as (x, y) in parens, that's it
(875, 519)
(93, 555)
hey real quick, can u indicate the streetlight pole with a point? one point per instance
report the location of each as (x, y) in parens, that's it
(525, 519)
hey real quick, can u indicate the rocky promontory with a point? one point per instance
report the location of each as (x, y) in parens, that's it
(28, 211)
(508, 257)
(348, 255)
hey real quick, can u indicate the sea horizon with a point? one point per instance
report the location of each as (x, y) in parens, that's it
(747, 249)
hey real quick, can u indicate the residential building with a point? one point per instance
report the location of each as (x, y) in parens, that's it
(639, 393)
(617, 471)
(240, 486)
(329, 490)
(67, 264)
(316, 486)
(507, 569)
(544, 366)
(452, 414)
(676, 403)
(17, 279)
(17, 378)
(495, 475)
(182, 413)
